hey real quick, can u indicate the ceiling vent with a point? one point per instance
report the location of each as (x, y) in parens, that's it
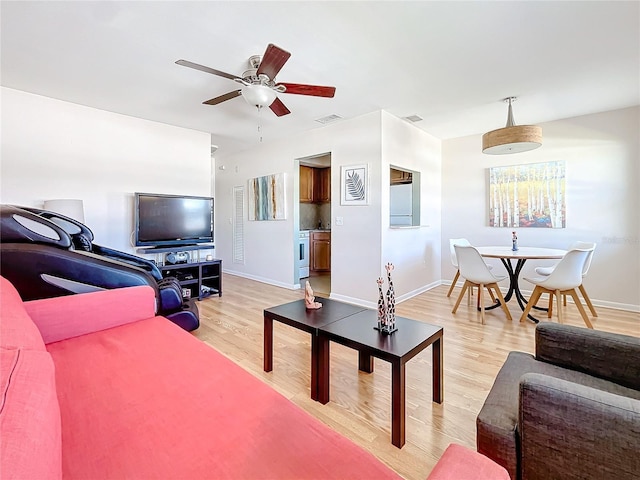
(328, 119)
(413, 118)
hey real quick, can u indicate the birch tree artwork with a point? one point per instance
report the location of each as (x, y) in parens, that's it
(531, 195)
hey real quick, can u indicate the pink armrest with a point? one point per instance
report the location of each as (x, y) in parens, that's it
(458, 462)
(70, 316)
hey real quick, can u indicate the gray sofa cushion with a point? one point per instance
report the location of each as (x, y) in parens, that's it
(573, 432)
(601, 354)
(497, 421)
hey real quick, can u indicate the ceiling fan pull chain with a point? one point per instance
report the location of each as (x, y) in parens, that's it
(259, 123)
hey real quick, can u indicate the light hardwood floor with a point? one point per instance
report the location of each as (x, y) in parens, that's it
(360, 406)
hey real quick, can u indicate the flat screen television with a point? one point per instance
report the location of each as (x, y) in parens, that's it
(172, 220)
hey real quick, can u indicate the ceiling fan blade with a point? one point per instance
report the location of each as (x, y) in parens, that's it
(273, 60)
(279, 108)
(223, 98)
(202, 68)
(314, 90)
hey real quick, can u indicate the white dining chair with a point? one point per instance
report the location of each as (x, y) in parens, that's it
(563, 280)
(454, 260)
(476, 274)
(545, 271)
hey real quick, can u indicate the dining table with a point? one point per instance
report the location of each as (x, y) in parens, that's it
(507, 256)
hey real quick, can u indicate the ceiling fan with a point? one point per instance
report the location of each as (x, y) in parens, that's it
(259, 86)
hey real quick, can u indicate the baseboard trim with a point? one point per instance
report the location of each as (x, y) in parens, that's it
(627, 307)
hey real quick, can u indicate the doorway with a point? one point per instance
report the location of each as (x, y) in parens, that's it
(315, 221)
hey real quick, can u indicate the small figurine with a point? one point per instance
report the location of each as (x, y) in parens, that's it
(391, 299)
(514, 242)
(382, 306)
(309, 299)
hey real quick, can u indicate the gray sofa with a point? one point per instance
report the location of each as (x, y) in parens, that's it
(570, 412)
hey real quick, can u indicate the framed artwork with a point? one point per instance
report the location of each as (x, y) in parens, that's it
(267, 197)
(354, 185)
(528, 196)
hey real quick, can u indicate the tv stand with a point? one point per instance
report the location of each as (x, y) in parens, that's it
(200, 279)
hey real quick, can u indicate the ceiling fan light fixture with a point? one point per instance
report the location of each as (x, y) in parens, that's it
(258, 95)
(512, 138)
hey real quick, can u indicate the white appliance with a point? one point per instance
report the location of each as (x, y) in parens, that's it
(400, 204)
(303, 253)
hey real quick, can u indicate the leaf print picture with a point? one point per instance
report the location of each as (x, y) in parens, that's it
(354, 185)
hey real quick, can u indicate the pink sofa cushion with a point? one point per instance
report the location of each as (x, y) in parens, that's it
(458, 462)
(30, 445)
(148, 400)
(17, 330)
(74, 315)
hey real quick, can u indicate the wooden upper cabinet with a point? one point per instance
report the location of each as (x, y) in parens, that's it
(400, 177)
(306, 184)
(315, 185)
(322, 185)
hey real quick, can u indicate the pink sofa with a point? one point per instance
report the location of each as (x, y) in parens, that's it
(95, 386)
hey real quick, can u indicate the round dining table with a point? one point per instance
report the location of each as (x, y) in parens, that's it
(507, 256)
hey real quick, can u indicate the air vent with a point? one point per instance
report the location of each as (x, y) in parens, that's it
(328, 119)
(413, 118)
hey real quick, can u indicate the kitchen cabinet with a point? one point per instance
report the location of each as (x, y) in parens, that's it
(400, 177)
(315, 184)
(306, 184)
(322, 185)
(320, 249)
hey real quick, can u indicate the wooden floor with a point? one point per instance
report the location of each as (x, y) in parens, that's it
(360, 406)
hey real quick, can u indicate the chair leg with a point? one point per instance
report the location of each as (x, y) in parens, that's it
(574, 295)
(587, 300)
(462, 292)
(481, 302)
(502, 302)
(550, 309)
(493, 298)
(453, 284)
(537, 291)
(558, 299)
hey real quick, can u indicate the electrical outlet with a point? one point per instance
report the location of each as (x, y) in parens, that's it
(339, 221)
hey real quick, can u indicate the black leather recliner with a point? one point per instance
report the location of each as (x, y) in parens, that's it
(45, 254)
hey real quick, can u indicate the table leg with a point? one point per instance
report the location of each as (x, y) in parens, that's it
(438, 371)
(268, 344)
(513, 278)
(323, 369)
(513, 283)
(514, 287)
(365, 362)
(397, 403)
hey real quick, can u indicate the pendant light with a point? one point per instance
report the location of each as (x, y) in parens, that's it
(512, 138)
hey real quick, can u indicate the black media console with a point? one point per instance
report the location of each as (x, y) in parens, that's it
(201, 279)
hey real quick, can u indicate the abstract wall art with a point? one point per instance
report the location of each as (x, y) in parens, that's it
(267, 197)
(530, 195)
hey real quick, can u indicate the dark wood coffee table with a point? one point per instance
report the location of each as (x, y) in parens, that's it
(296, 315)
(357, 332)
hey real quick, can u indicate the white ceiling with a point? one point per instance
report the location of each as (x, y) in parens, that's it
(449, 62)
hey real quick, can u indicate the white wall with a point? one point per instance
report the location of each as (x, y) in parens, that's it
(364, 243)
(54, 149)
(414, 252)
(601, 152)
(269, 245)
